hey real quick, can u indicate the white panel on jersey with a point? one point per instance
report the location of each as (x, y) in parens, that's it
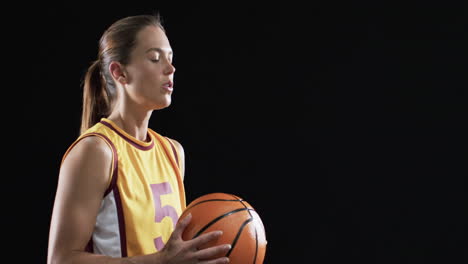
(106, 236)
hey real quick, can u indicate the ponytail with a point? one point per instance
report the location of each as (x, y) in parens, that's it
(95, 99)
(116, 44)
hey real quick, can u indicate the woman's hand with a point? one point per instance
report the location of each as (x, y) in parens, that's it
(178, 251)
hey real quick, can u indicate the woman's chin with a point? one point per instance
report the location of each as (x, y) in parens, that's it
(161, 105)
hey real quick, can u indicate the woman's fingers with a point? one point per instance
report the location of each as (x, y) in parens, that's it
(181, 225)
(205, 238)
(179, 251)
(213, 251)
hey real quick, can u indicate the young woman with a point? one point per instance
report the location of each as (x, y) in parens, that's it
(120, 190)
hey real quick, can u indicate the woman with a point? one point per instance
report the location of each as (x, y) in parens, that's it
(120, 190)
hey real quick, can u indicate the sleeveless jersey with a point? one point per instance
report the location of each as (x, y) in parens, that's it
(145, 195)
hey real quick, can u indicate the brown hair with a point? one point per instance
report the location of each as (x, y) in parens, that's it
(116, 43)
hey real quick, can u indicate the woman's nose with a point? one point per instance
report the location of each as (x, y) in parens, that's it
(170, 69)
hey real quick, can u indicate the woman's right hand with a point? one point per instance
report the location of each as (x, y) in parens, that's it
(179, 251)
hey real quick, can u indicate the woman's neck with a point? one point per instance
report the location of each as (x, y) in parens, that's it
(134, 125)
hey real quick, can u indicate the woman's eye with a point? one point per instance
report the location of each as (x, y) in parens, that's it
(155, 57)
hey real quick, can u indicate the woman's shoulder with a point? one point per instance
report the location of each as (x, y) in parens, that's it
(88, 160)
(176, 143)
(90, 147)
(94, 143)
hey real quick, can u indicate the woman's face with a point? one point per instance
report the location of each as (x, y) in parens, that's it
(150, 73)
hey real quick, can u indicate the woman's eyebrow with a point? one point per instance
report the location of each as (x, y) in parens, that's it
(159, 50)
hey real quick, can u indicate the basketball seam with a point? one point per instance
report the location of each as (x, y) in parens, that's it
(256, 234)
(212, 222)
(241, 201)
(213, 200)
(234, 242)
(256, 245)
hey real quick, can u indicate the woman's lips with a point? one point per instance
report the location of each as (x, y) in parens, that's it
(168, 86)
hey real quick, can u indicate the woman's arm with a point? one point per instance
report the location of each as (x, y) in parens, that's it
(83, 179)
(84, 176)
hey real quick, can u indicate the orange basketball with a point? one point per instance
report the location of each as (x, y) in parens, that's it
(240, 223)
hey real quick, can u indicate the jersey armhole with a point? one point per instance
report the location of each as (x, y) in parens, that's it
(174, 150)
(113, 170)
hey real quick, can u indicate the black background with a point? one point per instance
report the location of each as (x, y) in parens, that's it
(341, 123)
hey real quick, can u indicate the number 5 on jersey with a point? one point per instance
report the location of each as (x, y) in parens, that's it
(162, 211)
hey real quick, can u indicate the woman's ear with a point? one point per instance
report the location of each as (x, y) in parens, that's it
(118, 73)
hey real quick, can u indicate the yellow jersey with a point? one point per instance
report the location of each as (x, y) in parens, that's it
(145, 194)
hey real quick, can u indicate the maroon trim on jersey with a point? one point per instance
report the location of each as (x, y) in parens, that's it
(175, 166)
(89, 247)
(118, 202)
(175, 152)
(120, 216)
(129, 140)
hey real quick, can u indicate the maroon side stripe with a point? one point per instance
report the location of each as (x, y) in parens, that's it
(133, 143)
(89, 247)
(175, 152)
(120, 216)
(113, 187)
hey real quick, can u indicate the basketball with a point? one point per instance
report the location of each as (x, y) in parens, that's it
(241, 225)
